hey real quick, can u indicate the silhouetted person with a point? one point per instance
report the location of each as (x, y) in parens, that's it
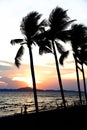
(25, 109)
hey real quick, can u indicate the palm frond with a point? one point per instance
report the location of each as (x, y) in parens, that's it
(84, 47)
(85, 62)
(43, 23)
(83, 55)
(78, 34)
(66, 24)
(64, 35)
(44, 49)
(17, 62)
(45, 46)
(29, 24)
(58, 22)
(44, 42)
(63, 56)
(14, 41)
(59, 14)
(18, 56)
(60, 48)
(58, 17)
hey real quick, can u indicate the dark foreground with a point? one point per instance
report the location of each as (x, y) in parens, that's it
(69, 118)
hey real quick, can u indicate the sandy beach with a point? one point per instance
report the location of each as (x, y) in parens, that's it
(47, 120)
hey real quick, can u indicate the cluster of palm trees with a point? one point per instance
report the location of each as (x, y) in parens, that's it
(47, 34)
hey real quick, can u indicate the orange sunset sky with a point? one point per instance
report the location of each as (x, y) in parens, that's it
(11, 13)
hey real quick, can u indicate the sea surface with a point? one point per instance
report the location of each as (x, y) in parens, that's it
(13, 102)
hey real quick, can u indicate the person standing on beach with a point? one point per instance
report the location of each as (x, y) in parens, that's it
(25, 109)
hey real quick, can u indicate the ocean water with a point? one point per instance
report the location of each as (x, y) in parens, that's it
(13, 102)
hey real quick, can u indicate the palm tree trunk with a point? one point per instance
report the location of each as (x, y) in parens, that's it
(78, 82)
(33, 78)
(84, 83)
(59, 76)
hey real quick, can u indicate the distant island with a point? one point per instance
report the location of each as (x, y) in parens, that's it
(18, 89)
(26, 89)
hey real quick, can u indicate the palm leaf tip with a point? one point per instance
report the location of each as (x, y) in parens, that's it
(60, 48)
(44, 49)
(13, 41)
(17, 62)
(18, 56)
(63, 56)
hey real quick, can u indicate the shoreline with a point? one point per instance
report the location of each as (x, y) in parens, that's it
(50, 119)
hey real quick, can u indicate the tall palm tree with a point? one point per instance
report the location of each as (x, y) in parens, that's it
(58, 22)
(82, 59)
(78, 38)
(30, 27)
(78, 42)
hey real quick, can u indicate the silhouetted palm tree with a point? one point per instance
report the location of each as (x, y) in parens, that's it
(30, 27)
(58, 22)
(82, 59)
(78, 38)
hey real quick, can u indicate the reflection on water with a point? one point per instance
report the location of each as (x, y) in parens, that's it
(11, 102)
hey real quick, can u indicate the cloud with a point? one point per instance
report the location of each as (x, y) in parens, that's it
(72, 84)
(6, 62)
(4, 84)
(5, 65)
(9, 83)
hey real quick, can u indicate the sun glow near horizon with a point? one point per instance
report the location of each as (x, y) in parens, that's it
(27, 80)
